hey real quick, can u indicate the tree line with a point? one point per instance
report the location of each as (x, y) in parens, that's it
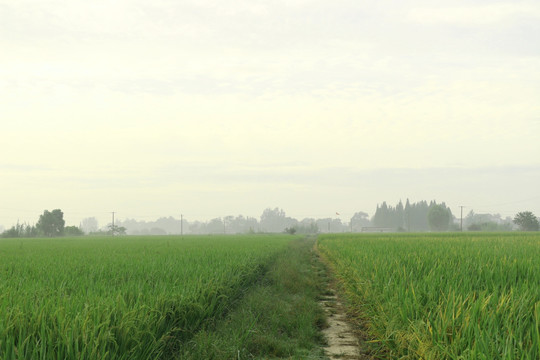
(424, 216)
(411, 217)
(419, 216)
(52, 224)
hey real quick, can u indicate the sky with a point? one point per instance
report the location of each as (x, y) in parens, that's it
(205, 108)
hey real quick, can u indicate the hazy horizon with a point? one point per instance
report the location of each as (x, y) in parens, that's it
(206, 108)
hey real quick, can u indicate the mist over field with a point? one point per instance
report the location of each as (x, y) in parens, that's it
(322, 172)
(211, 109)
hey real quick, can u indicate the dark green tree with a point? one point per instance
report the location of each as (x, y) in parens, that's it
(526, 221)
(116, 230)
(359, 220)
(20, 230)
(411, 217)
(73, 231)
(290, 231)
(51, 223)
(382, 216)
(439, 217)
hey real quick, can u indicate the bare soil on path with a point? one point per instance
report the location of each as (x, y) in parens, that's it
(344, 340)
(340, 336)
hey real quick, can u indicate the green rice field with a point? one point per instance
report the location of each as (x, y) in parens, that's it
(121, 298)
(441, 296)
(412, 296)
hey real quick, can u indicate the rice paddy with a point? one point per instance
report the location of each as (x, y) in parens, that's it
(442, 296)
(121, 298)
(415, 296)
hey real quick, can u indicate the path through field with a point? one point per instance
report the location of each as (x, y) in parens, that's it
(342, 341)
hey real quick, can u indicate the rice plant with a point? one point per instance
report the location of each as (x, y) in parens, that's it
(442, 296)
(121, 298)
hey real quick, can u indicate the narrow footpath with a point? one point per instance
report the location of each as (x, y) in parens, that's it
(342, 341)
(341, 338)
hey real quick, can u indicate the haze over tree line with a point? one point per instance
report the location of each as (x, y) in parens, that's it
(412, 217)
(213, 108)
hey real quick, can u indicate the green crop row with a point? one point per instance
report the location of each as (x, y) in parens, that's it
(442, 296)
(121, 298)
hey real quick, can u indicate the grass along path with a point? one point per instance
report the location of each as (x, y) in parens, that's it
(279, 318)
(343, 334)
(442, 296)
(133, 298)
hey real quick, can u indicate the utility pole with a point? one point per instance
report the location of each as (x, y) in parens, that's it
(112, 227)
(461, 223)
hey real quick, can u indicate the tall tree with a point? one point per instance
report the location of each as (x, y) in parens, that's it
(381, 218)
(411, 217)
(276, 220)
(89, 225)
(120, 230)
(407, 215)
(73, 231)
(359, 220)
(439, 217)
(527, 221)
(51, 223)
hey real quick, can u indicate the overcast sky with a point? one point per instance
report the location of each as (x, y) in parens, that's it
(211, 108)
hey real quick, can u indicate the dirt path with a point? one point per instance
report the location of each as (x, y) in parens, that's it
(343, 337)
(342, 341)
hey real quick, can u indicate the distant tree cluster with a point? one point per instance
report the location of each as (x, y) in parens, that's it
(89, 225)
(420, 216)
(290, 231)
(527, 221)
(414, 217)
(116, 230)
(50, 223)
(275, 220)
(486, 222)
(271, 221)
(359, 221)
(439, 217)
(20, 231)
(170, 225)
(73, 231)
